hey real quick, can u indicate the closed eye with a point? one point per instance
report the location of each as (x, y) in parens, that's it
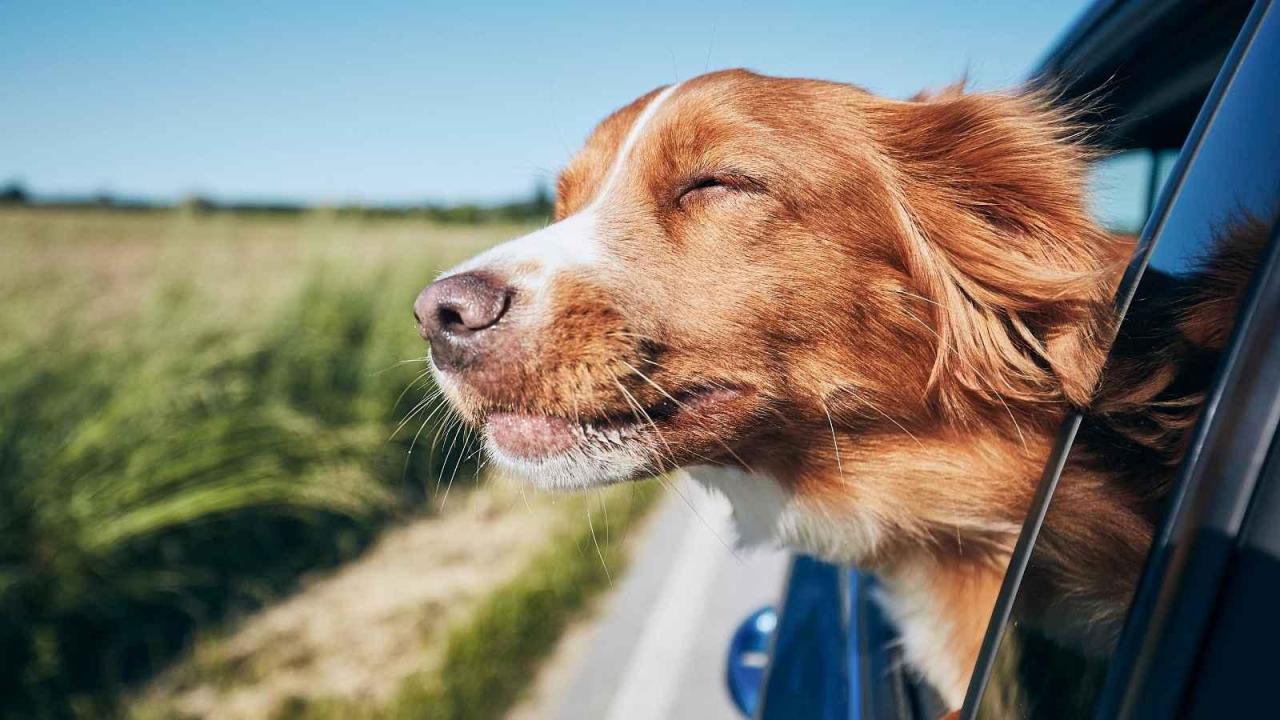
(704, 183)
(709, 186)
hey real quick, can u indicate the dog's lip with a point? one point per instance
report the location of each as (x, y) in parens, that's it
(533, 437)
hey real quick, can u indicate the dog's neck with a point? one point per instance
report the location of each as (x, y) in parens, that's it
(841, 499)
(941, 560)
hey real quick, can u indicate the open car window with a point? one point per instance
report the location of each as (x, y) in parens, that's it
(1123, 187)
(1052, 639)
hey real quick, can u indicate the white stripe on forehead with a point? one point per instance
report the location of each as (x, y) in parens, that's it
(628, 142)
(571, 241)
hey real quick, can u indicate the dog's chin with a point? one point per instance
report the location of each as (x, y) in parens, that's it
(576, 469)
(556, 453)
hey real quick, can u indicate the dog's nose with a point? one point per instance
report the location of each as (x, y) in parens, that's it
(453, 312)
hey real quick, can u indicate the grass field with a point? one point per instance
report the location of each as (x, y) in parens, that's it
(195, 410)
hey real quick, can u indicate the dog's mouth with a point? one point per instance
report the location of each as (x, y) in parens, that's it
(674, 421)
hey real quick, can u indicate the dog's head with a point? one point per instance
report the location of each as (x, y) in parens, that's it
(742, 267)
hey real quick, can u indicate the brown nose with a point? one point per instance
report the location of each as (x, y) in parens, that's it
(454, 314)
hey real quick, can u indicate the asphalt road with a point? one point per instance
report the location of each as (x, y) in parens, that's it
(659, 648)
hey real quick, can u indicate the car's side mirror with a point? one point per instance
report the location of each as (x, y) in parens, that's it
(748, 658)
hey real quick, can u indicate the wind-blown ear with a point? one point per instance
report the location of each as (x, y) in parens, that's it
(946, 92)
(991, 196)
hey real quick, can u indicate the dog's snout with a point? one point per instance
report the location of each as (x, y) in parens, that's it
(456, 310)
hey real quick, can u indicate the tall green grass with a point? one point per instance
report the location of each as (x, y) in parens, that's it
(185, 464)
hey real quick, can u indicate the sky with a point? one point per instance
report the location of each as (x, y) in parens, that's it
(394, 102)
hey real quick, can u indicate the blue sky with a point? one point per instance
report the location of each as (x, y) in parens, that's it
(402, 102)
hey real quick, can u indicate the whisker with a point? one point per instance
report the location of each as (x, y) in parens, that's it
(655, 385)
(412, 383)
(408, 456)
(604, 509)
(416, 409)
(523, 495)
(681, 405)
(835, 445)
(435, 444)
(703, 520)
(901, 427)
(637, 407)
(465, 432)
(398, 363)
(440, 405)
(456, 430)
(608, 575)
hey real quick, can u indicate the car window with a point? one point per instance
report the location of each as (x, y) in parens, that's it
(1058, 641)
(1123, 187)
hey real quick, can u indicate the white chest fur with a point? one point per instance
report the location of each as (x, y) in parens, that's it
(765, 514)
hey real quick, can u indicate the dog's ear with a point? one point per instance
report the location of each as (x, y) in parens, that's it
(946, 92)
(990, 193)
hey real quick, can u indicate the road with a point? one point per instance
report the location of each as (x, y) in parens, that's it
(658, 650)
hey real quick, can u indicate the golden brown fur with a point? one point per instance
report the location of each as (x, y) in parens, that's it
(884, 308)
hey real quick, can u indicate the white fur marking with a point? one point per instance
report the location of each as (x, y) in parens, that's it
(908, 598)
(628, 142)
(571, 242)
(765, 513)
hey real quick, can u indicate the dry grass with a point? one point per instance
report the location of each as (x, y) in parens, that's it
(356, 638)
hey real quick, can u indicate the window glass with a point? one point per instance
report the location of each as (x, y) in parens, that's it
(1118, 195)
(1123, 185)
(1089, 554)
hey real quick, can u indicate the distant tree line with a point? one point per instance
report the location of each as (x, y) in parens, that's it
(14, 194)
(536, 207)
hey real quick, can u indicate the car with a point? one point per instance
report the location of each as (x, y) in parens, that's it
(1187, 96)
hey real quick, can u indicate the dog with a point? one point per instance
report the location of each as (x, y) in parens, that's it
(860, 319)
